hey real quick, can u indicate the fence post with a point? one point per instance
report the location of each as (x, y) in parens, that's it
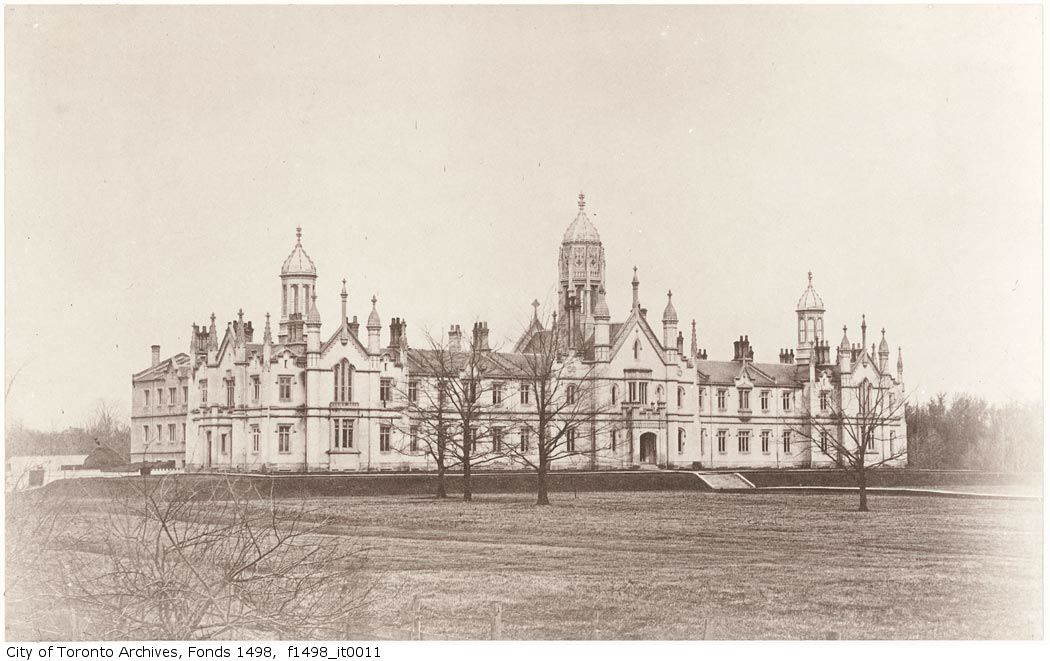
(417, 624)
(496, 631)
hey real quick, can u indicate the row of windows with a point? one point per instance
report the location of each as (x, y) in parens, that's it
(171, 435)
(172, 396)
(765, 398)
(743, 440)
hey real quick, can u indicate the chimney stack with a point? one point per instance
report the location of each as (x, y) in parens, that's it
(455, 338)
(481, 336)
(154, 355)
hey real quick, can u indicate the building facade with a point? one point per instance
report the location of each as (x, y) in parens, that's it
(339, 399)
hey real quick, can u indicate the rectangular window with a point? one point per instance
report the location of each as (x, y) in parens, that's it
(681, 441)
(145, 434)
(255, 438)
(160, 434)
(722, 435)
(570, 440)
(145, 398)
(384, 438)
(681, 396)
(785, 400)
(184, 432)
(256, 388)
(869, 443)
(700, 399)
(171, 433)
(222, 443)
(743, 441)
(765, 442)
(787, 441)
(160, 397)
(523, 393)
(171, 396)
(413, 391)
(613, 437)
(824, 441)
(523, 439)
(284, 439)
(643, 392)
(721, 399)
(202, 385)
(186, 395)
(744, 397)
(384, 390)
(764, 399)
(284, 390)
(472, 439)
(343, 433)
(229, 392)
(570, 394)
(703, 441)
(893, 437)
(823, 401)
(413, 438)
(497, 393)
(497, 439)
(632, 392)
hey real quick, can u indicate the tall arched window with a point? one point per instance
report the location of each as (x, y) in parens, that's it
(615, 393)
(681, 396)
(637, 349)
(812, 330)
(344, 381)
(681, 441)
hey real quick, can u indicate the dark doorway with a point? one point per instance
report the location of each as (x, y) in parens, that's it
(647, 448)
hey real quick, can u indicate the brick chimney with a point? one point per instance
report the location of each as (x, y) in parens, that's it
(481, 336)
(455, 338)
(154, 355)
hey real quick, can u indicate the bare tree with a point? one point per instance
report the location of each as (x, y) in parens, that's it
(853, 429)
(429, 422)
(565, 406)
(189, 560)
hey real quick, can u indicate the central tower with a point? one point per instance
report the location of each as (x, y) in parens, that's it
(581, 267)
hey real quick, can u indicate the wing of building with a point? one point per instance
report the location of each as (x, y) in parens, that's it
(336, 398)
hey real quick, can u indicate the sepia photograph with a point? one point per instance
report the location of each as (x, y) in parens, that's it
(420, 323)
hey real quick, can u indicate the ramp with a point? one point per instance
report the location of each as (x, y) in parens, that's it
(724, 481)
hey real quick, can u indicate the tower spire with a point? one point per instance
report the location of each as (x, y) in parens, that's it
(693, 342)
(634, 288)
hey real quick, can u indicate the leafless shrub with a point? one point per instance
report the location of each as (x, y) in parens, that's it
(173, 561)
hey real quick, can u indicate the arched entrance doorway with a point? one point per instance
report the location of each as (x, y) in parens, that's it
(647, 448)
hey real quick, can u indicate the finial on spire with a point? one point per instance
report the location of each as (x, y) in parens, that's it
(535, 309)
(240, 313)
(668, 295)
(212, 317)
(635, 280)
(811, 277)
(581, 203)
(342, 294)
(374, 299)
(298, 234)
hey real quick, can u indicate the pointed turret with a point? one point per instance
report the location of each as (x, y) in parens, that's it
(694, 347)
(844, 352)
(634, 290)
(900, 365)
(374, 326)
(601, 328)
(267, 343)
(670, 321)
(884, 352)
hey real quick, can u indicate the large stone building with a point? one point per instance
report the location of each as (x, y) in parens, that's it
(338, 399)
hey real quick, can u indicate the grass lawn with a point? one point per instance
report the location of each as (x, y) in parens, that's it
(680, 565)
(683, 565)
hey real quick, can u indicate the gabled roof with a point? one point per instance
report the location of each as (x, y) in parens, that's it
(178, 361)
(336, 336)
(725, 372)
(623, 330)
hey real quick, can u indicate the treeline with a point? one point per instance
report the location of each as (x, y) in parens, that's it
(103, 426)
(968, 432)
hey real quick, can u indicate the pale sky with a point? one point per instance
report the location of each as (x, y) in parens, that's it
(159, 159)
